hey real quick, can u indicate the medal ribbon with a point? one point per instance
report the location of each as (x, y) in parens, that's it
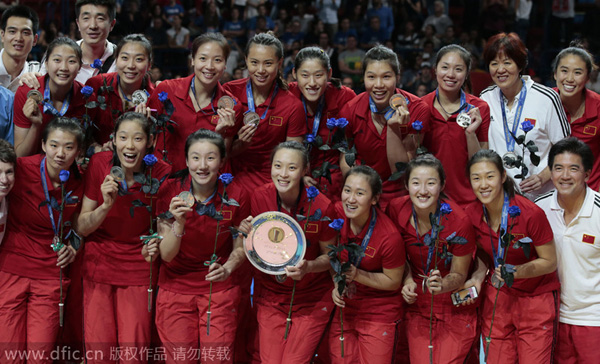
(503, 224)
(434, 235)
(510, 141)
(212, 100)
(47, 196)
(50, 109)
(463, 102)
(365, 241)
(317, 118)
(388, 112)
(250, 97)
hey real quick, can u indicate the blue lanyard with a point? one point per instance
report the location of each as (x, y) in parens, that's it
(250, 97)
(365, 241)
(212, 100)
(510, 141)
(50, 109)
(463, 102)
(47, 196)
(209, 197)
(387, 112)
(434, 235)
(121, 88)
(317, 118)
(503, 226)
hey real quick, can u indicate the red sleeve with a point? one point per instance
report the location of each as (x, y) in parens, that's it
(484, 111)
(19, 118)
(296, 119)
(346, 94)
(538, 227)
(393, 254)
(419, 110)
(328, 233)
(94, 178)
(243, 211)
(165, 195)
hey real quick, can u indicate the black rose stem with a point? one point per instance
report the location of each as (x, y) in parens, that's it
(61, 304)
(435, 250)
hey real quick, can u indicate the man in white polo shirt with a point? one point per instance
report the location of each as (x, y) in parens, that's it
(573, 210)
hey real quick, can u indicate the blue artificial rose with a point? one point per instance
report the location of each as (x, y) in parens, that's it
(97, 64)
(226, 178)
(445, 209)
(163, 96)
(87, 91)
(342, 123)
(312, 192)
(150, 160)
(417, 125)
(310, 138)
(526, 126)
(64, 175)
(331, 123)
(337, 224)
(514, 211)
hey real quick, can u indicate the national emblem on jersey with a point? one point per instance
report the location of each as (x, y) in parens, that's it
(532, 121)
(588, 239)
(590, 130)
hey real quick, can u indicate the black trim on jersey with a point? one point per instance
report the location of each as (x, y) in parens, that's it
(543, 196)
(555, 98)
(487, 89)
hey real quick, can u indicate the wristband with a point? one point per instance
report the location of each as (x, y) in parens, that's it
(175, 233)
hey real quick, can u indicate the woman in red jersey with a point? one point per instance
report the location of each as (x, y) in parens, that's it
(438, 272)
(30, 265)
(379, 130)
(459, 121)
(322, 100)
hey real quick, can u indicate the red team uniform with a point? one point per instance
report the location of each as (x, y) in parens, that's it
(454, 328)
(282, 116)
(29, 276)
(371, 316)
(182, 300)
(312, 304)
(335, 99)
(446, 140)
(526, 319)
(105, 119)
(371, 146)
(187, 119)
(115, 273)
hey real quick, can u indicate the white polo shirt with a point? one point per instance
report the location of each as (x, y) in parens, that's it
(578, 255)
(13, 84)
(544, 110)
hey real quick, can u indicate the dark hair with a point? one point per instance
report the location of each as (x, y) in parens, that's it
(294, 145)
(464, 54)
(64, 41)
(426, 160)
(137, 38)
(383, 54)
(576, 49)
(111, 7)
(201, 135)
(511, 45)
(208, 38)
(488, 155)
(7, 153)
(370, 174)
(318, 54)
(574, 146)
(20, 11)
(70, 125)
(268, 39)
(142, 120)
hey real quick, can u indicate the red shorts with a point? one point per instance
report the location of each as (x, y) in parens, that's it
(524, 328)
(453, 335)
(577, 344)
(117, 322)
(181, 323)
(308, 324)
(29, 319)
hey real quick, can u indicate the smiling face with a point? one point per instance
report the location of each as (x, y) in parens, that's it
(18, 37)
(571, 75)
(357, 197)
(287, 170)
(312, 79)
(62, 65)
(131, 145)
(486, 181)
(61, 150)
(451, 72)
(569, 175)
(94, 24)
(380, 82)
(424, 188)
(263, 65)
(204, 161)
(504, 72)
(209, 64)
(7, 178)
(132, 63)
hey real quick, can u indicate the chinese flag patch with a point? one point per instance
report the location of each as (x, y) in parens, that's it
(588, 239)
(589, 130)
(532, 121)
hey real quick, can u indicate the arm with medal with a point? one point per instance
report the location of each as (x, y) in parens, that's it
(92, 215)
(395, 148)
(26, 139)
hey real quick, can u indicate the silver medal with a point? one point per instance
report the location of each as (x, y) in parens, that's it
(464, 120)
